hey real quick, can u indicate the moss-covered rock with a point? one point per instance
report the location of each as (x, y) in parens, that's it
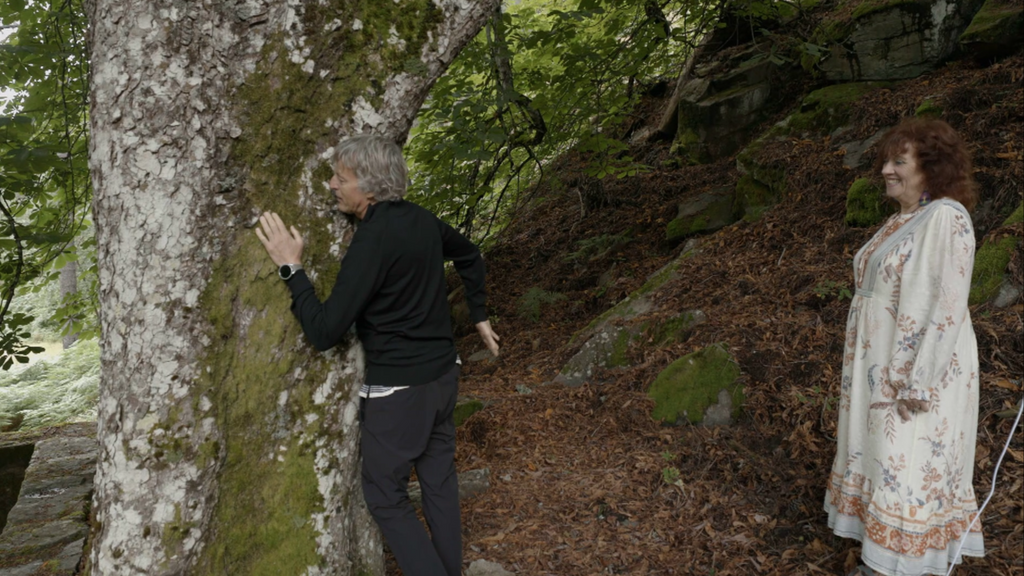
(990, 268)
(753, 197)
(869, 7)
(466, 407)
(1016, 217)
(706, 213)
(607, 348)
(928, 109)
(677, 329)
(826, 109)
(991, 260)
(865, 204)
(997, 29)
(608, 337)
(691, 385)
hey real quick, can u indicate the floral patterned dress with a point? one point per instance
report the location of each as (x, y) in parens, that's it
(904, 489)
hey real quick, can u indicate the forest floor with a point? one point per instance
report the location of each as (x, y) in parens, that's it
(582, 479)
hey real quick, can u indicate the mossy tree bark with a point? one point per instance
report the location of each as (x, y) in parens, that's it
(227, 445)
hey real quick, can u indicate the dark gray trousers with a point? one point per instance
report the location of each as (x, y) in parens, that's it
(414, 427)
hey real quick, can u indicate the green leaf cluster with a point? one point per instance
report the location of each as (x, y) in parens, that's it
(45, 192)
(543, 78)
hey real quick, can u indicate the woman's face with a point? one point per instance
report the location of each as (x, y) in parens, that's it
(904, 180)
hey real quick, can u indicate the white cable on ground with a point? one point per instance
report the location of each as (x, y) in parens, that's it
(990, 492)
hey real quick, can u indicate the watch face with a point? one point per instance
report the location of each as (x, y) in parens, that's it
(285, 271)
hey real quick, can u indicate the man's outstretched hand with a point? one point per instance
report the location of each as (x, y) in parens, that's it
(488, 335)
(284, 246)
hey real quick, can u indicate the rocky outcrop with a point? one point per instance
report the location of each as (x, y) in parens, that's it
(996, 30)
(897, 39)
(724, 100)
(706, 213)
(607, 339)
(46, 529)
(823, 111)
(701, 387)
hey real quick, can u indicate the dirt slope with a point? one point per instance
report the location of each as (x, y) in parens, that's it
(580, 476)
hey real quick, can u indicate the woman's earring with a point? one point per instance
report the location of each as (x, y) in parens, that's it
(925, 198)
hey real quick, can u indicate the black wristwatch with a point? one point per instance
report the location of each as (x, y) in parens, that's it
(286, 271)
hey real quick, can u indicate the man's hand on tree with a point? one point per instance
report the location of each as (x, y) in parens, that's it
(284, 246)
(488, 335)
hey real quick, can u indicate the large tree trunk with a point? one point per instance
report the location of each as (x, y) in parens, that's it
(227, 445)
(68, 288)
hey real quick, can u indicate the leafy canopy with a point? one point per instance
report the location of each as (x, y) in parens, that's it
(44, 181)
(542, 78)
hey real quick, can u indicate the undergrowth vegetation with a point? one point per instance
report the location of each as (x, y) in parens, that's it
(52, 392)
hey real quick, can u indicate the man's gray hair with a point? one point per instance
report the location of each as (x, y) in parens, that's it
(377, 163)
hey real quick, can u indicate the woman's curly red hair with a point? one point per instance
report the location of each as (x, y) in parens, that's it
(941, 154)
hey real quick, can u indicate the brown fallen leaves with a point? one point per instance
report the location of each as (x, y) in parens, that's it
(583, 482)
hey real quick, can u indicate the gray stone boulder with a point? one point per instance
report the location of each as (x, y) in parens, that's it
(471, 483)
(723, 99)
(706, 213)
(487, 568)
(701, 387)
(605, 349)
(996, 30)
(607, 339)
(898, 39)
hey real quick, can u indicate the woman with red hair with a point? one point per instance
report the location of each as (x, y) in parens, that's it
(901, 482)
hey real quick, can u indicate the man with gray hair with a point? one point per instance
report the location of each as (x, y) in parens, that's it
(392, 286)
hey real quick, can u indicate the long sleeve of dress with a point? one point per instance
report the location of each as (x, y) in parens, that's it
(932, 305)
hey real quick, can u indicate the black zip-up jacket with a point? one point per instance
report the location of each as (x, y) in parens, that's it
(392, 285)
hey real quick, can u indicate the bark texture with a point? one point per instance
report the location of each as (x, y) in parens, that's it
(227, 445)
(69, 287)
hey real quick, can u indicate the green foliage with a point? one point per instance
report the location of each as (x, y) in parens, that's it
(671, 475)
(531, 302)
(828, 289)
(52, 392)
(541, 79)
(45, 192)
